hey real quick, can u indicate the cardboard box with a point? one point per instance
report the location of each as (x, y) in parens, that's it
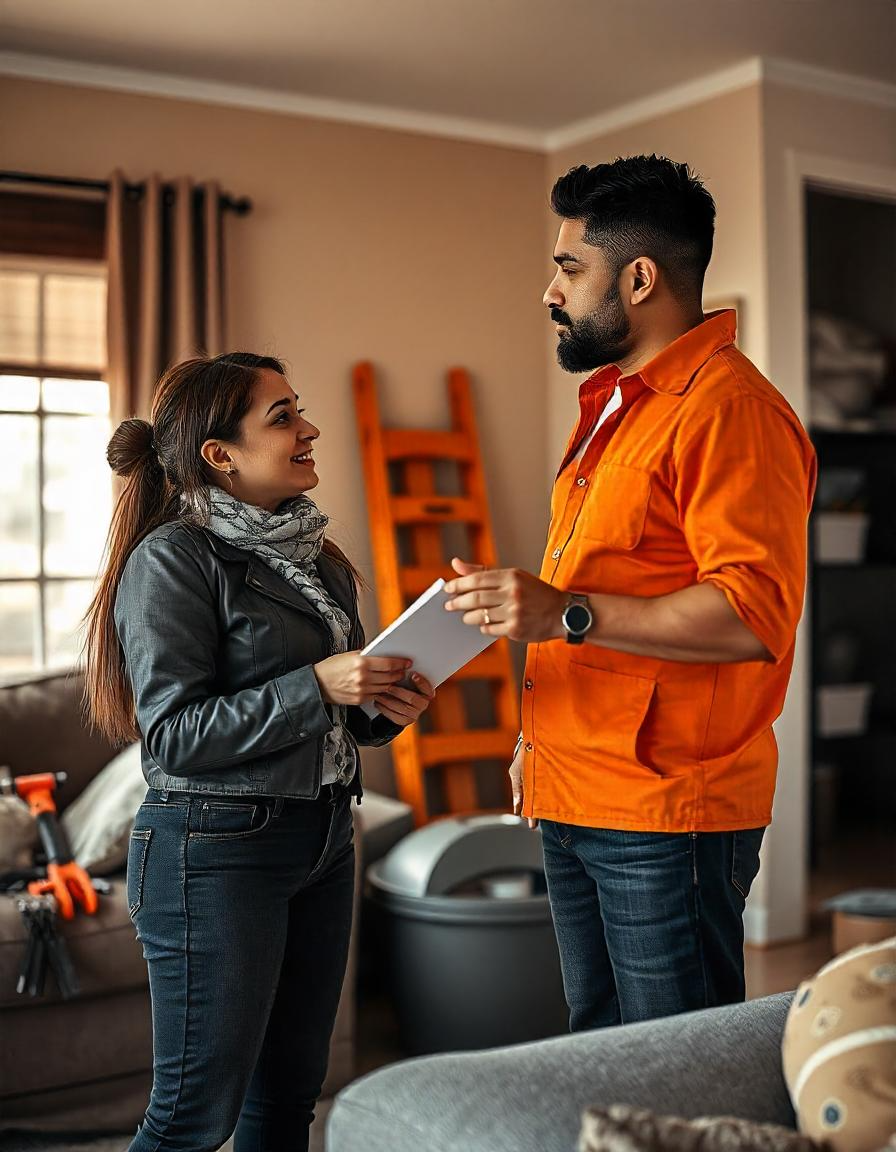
(842, 709)
(849, 930)
(840, 537)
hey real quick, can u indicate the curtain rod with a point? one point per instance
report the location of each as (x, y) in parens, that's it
(241, 205)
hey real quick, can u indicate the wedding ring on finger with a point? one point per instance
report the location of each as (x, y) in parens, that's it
(486, 619)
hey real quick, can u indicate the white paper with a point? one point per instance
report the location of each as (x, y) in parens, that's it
(437, 641)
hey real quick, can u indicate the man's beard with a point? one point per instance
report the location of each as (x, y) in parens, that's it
(600, 338)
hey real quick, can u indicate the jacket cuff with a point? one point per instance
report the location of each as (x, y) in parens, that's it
(303, 704)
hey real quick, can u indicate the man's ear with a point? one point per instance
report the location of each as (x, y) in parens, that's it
(643, 275)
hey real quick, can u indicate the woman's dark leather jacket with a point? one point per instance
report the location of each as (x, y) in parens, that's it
(219, 650)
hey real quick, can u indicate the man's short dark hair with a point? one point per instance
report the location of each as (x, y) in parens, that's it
(643, 206)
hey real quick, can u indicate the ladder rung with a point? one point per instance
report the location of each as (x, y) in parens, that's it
(471, 744)
(434, 510)
(415, 580)
(488, 665)
(417, 444)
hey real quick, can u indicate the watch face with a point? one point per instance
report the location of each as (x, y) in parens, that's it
(577, 619)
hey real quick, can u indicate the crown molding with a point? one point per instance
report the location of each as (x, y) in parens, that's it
(742, 75)
(749, 72)
(845, 85)
(135, 80)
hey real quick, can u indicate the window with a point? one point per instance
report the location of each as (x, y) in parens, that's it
(55, 485)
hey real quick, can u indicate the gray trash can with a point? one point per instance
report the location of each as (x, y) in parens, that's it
(471, 953)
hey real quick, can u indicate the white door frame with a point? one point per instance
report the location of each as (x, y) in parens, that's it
(783, 913)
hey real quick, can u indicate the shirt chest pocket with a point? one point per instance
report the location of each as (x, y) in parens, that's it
(615, 509)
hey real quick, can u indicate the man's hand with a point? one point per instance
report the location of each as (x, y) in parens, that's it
(506, 602)
(516, 783)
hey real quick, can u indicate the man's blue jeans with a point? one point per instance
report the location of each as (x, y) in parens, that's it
(648, 923)
(243, 906)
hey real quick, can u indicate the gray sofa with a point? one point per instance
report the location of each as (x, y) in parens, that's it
(530, 1097)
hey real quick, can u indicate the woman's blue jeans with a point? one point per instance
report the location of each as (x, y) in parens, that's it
(648, 923)
(243, 906)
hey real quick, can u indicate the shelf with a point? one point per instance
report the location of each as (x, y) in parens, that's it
(832, 436)
(846, 565)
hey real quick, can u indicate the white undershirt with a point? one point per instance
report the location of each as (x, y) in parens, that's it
(611, 406)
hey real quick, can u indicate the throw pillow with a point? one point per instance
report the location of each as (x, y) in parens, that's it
(840, 1050)
(18, 835)
(623, 1129)
(99, 822)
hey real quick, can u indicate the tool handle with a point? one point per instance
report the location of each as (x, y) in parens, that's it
(60, 961)
(53, 838)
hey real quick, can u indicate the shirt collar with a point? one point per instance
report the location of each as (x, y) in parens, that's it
(673, 369)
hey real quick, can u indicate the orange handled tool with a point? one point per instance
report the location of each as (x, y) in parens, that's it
(66, 880)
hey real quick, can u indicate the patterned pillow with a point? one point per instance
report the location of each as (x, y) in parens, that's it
(623, 1129)
(840, 1050)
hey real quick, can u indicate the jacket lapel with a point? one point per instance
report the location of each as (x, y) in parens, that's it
(265, 580)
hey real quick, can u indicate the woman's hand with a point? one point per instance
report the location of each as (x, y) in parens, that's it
(405, 705)
(350, 678)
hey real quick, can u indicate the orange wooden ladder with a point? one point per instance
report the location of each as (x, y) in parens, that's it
(409, 553)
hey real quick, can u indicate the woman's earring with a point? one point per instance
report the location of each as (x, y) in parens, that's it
(228, 476)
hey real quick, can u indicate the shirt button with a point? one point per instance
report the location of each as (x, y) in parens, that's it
(581, 481)
(555, 555)
(528, 747)
(529, 685)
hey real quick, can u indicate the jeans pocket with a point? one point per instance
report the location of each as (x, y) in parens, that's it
(138, 846)
(745, 858)
(228, 820)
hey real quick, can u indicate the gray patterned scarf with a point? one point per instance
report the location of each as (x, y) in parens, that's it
(290, 541)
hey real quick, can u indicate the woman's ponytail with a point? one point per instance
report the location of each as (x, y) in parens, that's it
(147, 499)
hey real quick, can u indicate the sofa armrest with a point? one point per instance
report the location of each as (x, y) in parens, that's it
(530, 1097)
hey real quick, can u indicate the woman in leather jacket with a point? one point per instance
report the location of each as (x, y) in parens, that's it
(225, 636)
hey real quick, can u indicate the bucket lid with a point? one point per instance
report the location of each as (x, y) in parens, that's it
(447, 853)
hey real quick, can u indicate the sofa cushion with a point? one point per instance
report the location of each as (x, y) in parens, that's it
(98, 824)
(530, 1097)
(59, 1061)
(42, 729)
(383, 821)
(18, 835)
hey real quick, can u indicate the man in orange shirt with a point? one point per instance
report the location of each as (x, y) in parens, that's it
(661, 630)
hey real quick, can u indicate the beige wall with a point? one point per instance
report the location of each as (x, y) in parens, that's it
(719, 138)
(417, 253)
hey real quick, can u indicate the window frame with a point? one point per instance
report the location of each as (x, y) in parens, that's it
(47, 265)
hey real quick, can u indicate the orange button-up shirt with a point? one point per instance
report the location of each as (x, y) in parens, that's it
(704, 474)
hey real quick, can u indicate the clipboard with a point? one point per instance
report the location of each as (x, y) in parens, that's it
(437, 641)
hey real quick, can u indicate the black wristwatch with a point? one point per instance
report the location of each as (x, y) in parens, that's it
(577, 618)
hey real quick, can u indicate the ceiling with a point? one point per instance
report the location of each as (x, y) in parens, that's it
(529, 65)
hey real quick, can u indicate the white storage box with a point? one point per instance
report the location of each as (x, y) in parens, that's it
(842, 709)
(840, 537)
